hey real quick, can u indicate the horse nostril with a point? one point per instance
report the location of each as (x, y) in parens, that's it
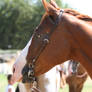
(13, 70)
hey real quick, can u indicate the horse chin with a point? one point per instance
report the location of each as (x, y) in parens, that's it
(20, 80)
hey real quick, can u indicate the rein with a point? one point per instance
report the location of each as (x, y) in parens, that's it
(28, 70)
(82, 75)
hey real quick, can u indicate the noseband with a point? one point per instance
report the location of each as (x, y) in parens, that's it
(28, 70)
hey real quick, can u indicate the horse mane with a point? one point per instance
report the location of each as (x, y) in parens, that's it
(78, 15)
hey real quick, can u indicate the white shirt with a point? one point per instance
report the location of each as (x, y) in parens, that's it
(10, 87)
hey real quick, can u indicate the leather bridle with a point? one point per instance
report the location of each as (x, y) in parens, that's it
(28, 70)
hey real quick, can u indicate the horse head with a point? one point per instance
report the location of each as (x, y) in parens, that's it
(59, 37)
(44, 49)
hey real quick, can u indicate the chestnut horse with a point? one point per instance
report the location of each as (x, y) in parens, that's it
(61, 36)
(75, 78)
(76, 82)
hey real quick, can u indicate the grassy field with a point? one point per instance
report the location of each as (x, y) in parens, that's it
(87, 86)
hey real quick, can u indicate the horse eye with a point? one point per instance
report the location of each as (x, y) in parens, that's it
(51, 18)
(13, 70)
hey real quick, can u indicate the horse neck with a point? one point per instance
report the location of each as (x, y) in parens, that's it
(81, 33)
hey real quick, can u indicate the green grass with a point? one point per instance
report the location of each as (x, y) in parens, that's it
(3, 83)
(87, 85)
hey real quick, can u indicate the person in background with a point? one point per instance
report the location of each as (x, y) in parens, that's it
(10, 87)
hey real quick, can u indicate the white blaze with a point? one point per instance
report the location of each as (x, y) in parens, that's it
(20, 62)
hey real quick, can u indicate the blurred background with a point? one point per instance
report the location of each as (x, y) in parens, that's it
(18, 19)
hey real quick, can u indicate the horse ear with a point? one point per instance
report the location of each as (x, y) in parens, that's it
(45, 4)
(51, 7)
(52, 2)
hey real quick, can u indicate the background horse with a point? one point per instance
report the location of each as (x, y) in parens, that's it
(75, 78)
(61, 36)
(6, 65)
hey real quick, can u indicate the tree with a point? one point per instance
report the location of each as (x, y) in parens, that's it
(18, 19)
(15, 20)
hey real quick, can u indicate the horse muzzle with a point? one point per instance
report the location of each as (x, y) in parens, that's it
(28, 74)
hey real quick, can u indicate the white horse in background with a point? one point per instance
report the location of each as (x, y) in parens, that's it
(6, 62)
(6, 67)
(48, 82)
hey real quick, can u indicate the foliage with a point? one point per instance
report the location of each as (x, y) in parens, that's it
(18, 19)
